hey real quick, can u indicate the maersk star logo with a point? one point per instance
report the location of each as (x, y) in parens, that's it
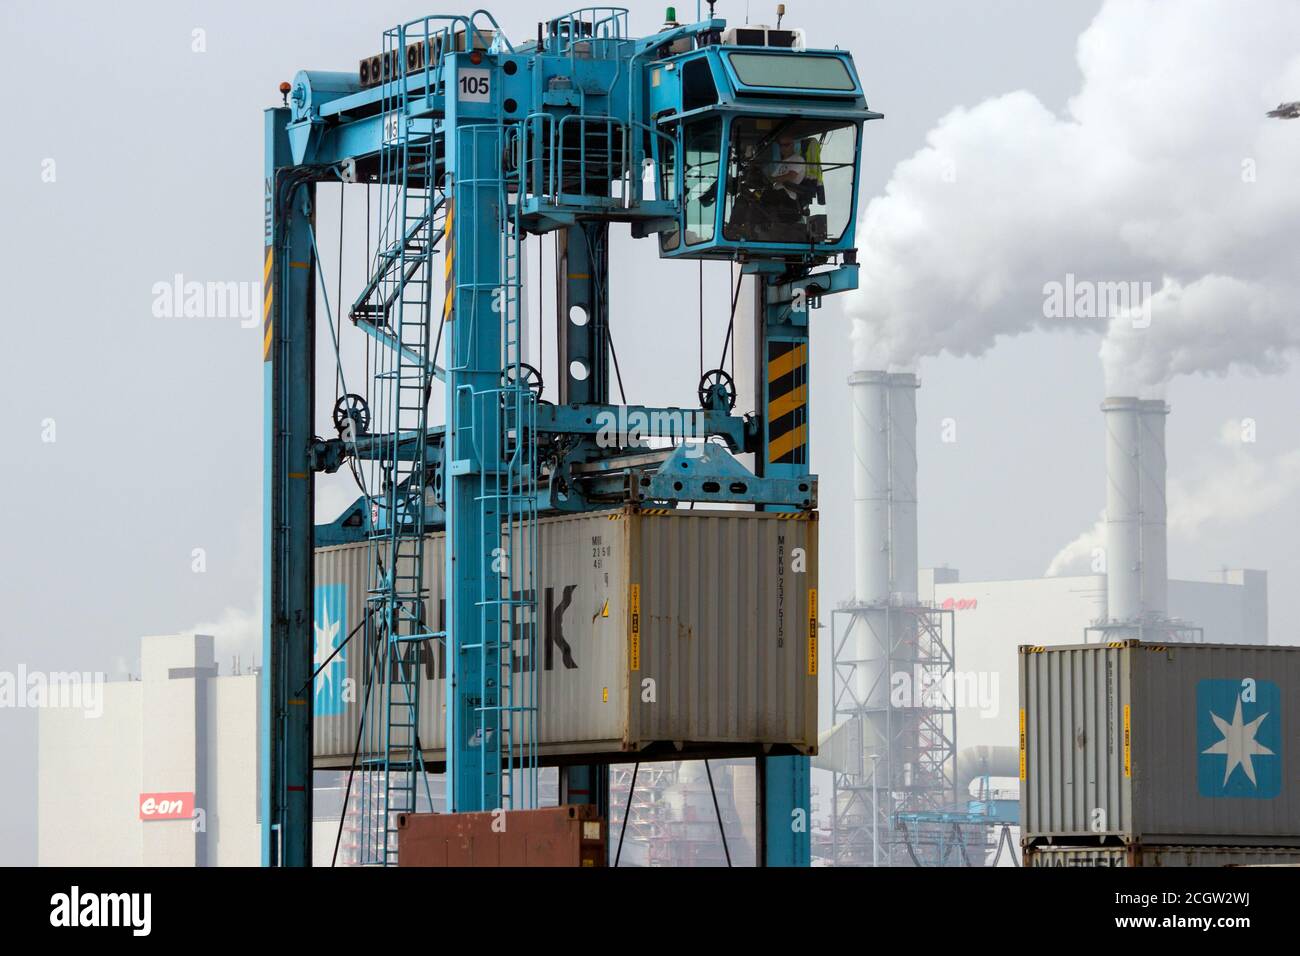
(331, 628)
(1239, 738)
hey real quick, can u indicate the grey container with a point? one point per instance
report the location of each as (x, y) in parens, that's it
(1162, 856)
(717, 609)
(1131, 743)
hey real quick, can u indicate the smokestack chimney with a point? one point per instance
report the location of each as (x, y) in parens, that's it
(1137, 584)
(906, 761)
(870, 395)
(885, 572)
(884, 487)
(1155, 535)
(1123, 511)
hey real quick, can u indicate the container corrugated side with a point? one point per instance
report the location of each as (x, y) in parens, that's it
(728, 628)
(1073, 701)
(1160, 856)
(1133, 742)
(715, 659)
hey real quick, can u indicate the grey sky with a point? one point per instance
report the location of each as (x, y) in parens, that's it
(158, 164)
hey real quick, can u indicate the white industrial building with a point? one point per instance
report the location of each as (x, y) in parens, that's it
(165, 773)
(993, 618)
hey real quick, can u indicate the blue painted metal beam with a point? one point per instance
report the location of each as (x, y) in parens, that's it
(473, 449)
(784, 378)
(288, 386)
(582, 279)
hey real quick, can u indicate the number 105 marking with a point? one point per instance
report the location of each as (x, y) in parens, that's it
(474, 86)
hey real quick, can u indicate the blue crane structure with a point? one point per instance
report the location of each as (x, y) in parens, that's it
(731, 144)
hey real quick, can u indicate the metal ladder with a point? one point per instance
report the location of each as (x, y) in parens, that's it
(504, 418)
(515, 491)
(397, 303)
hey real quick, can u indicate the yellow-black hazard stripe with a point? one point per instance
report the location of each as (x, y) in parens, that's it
(787, 403)
(268, 289)
(449, 267)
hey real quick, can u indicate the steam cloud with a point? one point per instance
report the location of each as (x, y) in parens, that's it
(236, 631)
(1214, 501)
(1163, 176)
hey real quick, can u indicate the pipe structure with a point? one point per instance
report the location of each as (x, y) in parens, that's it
(1123, 510)
(1137, 562)
(1154, 537)
(903, 570)
(871, 477)
(884, 602)
(884, 487)
(984, 761)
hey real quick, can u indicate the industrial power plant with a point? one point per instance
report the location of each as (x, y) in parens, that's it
(530, 595)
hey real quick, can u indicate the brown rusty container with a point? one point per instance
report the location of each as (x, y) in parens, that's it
(552, 836)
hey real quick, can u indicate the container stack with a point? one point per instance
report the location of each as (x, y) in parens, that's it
(1142, 754)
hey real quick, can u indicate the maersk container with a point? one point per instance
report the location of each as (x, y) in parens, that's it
(659, 632)
(1163, 856)
(1160, 744)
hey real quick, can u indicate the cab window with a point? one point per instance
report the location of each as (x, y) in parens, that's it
(701, 162)
(789, 180)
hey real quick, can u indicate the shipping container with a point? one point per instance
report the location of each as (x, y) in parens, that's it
(1165, 856)
(658, 633)
(552, 836)
(1160, 744)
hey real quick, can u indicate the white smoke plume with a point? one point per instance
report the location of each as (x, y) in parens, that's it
(1163, 180)
(1247, 488)
(1077, 556)
(1242, 487)
(237, 632)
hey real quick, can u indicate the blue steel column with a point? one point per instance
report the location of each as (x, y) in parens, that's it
(288, 355)
(582, 279)
(474, 368)
(586, 784)
(783, 373)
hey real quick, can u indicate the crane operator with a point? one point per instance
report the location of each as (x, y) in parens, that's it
(770, 189)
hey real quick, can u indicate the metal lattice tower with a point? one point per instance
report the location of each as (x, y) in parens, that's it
(892, 684)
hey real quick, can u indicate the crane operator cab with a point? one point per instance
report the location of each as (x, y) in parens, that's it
(777, 181)
(767, 148)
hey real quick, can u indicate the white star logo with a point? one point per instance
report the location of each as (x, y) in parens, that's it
(1238, 743)
(327, 633)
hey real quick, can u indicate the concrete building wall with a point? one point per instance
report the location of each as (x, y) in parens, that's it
(1234, 611)
(88, 781)
(991, 619)
(168, 731)
(1254, 615)
(231, 759)
(180, 728)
